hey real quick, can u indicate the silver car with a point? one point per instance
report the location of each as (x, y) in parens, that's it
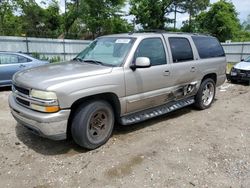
(11, 62)
(125, 79)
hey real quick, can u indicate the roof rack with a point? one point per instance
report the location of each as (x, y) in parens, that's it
(149, 31)
(164, 31)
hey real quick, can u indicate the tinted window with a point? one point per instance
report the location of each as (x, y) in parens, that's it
(153, 49)
(8, 59)
(208, 47)
(22, 59)
(181, 49)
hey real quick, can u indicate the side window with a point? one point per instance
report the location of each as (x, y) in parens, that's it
(208, 47)
(8, 59)
(153, 49)
(181, 49)
(22, 59)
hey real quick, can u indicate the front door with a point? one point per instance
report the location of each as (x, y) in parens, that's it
(148, 87)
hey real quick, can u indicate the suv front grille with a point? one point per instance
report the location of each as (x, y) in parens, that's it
(23, 102)
(22, 90)
(21, 95)
(245, 71)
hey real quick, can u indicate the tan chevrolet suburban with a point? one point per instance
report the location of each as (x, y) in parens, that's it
(125, 79)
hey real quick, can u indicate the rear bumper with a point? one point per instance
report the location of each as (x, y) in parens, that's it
(49, 125)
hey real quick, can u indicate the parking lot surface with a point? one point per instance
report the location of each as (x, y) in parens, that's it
(187, 148)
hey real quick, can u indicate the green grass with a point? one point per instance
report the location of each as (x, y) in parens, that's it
(229, 67)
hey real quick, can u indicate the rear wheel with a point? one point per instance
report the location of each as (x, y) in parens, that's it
(205, 95)
(93, 124)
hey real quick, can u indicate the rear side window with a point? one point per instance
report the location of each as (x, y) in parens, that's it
(22, 59)
(181, 49)
(8, 59)
(208, 47)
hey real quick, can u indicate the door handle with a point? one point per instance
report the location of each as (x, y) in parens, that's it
(166, 73)
(193, 69)
(22, 66)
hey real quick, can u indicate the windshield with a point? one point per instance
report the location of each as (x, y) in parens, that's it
(247, 59)
(110, 51)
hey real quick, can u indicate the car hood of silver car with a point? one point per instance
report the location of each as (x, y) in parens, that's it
(48, 75)
(242, 65)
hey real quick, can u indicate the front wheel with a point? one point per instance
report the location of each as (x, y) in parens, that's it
(93, 124)
(205, 94)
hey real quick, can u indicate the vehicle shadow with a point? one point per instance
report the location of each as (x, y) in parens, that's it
(243, 83)
(69, 147)
(46, 146)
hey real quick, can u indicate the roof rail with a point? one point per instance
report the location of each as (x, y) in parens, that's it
(164, 31)
(149, 31)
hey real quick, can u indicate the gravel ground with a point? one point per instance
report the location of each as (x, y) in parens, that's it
(187, 148)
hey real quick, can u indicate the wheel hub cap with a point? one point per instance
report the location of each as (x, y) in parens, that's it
(208, 94)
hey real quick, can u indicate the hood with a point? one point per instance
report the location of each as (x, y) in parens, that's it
(242, 65)
(48, 75)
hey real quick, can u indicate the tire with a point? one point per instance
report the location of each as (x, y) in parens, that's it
(92, 124)
(205, 95)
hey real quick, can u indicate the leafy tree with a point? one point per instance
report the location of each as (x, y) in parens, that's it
(242, 36)
(221, 20)
(38, 21)
(246, 24)
(151, 14)
(193, 7)
(101, 17)
(71, 15)
(8, 20)
(177, 7)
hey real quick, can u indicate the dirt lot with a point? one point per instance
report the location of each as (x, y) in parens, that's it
(187, 148)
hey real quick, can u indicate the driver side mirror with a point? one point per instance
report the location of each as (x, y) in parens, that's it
(141, 62)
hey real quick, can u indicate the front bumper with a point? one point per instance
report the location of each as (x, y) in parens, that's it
(239, 77)
(49, 125)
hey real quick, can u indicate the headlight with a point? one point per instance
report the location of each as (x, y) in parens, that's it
(50, 103)
(234, 72)
(45, 95)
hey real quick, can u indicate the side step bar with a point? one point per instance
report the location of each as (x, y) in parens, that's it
(156, 111)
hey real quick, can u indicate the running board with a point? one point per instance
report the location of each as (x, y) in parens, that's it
(157, 111)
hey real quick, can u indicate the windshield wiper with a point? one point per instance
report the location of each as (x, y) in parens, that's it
(78, 59)
(96, 62)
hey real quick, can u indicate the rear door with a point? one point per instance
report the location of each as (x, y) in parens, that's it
(184, 65)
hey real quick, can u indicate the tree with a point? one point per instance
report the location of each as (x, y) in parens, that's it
(38, 21)
(71, 15)
(246, 23)
(101, 17)
(177, 8)
(221, 20)
(8, 20)
(151, 14)
(193, 7)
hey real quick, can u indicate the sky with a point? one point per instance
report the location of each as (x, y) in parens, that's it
(242, 7)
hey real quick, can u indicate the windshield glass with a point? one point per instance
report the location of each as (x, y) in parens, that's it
(247, 59)
(110, 51)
